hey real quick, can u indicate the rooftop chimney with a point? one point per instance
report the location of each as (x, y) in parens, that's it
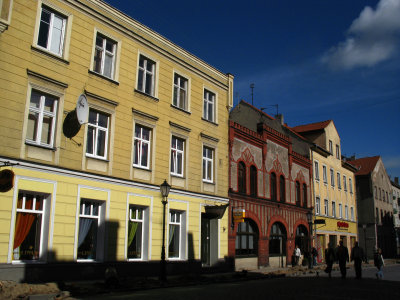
(279, 117)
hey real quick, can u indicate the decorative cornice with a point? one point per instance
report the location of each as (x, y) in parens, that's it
(203, 135)
(100, 98)
(179, 126)
(45, 78)
(143, 114)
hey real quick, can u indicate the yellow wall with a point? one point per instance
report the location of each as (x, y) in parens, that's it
(339, 195)
(24, 66)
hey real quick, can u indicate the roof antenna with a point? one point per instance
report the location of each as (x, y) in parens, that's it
(252, 88)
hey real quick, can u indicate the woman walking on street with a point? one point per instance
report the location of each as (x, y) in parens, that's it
(379, 263)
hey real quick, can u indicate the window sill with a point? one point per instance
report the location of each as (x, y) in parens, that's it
(97, 158)
(103, 77)
(181, 109)
(212, 122)
(49, 54)
(177, 176)
(209, 182)
(141, 168)
(40, 146)
(147, 95)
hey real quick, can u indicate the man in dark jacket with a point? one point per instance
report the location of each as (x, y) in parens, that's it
(357, 254)
(330, 257)
(343, 257)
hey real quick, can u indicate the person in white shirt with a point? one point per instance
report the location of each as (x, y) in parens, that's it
(297, 254)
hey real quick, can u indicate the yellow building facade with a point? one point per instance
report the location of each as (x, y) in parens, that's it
(152, 111)
(335, 208)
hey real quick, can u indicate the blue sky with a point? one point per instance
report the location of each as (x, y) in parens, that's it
(316, 59)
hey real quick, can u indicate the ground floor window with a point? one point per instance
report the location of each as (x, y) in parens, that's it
(135, 232)
(28, 232)
(174, 234)
(302, 238)
(247, 238)
(277, 240)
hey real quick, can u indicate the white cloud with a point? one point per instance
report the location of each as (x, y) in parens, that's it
(372, 38)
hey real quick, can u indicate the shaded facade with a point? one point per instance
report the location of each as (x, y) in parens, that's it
(374, 204)
(270, 179)
(89, 194)
(396, 211)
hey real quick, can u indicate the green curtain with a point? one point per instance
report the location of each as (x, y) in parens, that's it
(132, 232)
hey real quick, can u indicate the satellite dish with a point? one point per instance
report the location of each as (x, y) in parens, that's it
(6, 180)
(77, 117)
(82, 109)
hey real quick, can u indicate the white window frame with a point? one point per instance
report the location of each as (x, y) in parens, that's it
(345, 183)
(346, 212)
(333, 209)
(173, 221)
(53, 14)
(207, 161)
(209, 100)
(99, 217)
(316, 170)
(337, 152)
(41, 114)
(339, 180)
(340, 211)
(142, 142)
(105, 53)
(137, 220)
(317, 205)
(149, 68)
(98, 128)
(332, 172)
(324, 174)
(326, 202)
(178, 90)
(44, 220)
(175, 153)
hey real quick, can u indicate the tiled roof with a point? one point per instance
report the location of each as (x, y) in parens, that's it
(312, 126)
(365, 165)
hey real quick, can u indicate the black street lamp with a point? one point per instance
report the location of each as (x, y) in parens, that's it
(310, 222)
(164, 188)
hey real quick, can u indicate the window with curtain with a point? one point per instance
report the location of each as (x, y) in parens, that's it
(141, 147)
(282, 188)
(180, 98)
(28, 226)
(253, 181)
(89, 221)
(104, 56)
(146, 76)
(177, 156)
(135, 232)
(273, 187)
(242, 177)
(97, 134)
(51, 31)
(174, 234)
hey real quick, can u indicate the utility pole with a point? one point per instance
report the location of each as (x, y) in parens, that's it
(252, 88)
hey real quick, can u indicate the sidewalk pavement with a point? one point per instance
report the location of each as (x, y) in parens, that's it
(13, 290)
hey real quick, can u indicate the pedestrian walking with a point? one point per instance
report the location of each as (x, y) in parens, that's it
(379, 263)
(343, 257)
(329, 259)
(357, 254)
(314, 254)
(297, 254)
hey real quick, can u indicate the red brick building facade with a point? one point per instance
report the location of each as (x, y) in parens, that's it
(270, 176)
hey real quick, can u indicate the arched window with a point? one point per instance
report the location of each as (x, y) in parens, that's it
(277, 240)
(298, 194)
(273, 186)
(253, 181)
(304, 195)
(301, 238)
(247, 238)
(242, 177)
(282, 189)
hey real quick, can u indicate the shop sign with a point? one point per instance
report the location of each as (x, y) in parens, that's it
(342, 225)
(238, 215)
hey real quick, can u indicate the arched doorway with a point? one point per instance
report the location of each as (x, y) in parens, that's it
(277, 245)
(302, 238)
(246, 245)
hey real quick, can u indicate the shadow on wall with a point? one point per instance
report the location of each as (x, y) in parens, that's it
(55, 270)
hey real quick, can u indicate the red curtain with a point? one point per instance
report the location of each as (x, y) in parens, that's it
(22, 227)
